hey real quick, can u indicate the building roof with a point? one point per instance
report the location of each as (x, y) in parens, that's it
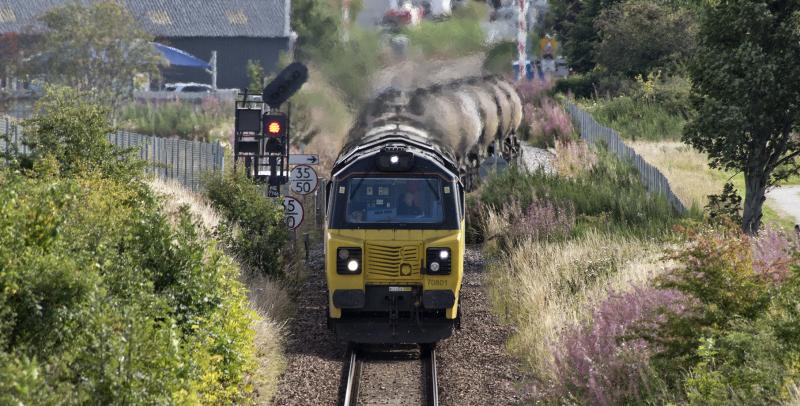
(174, 18)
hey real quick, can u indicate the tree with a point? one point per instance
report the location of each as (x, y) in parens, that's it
(578, 30)
(746, 91)
(640, 36)
(255, 72)
(317, 26)
(97, 47)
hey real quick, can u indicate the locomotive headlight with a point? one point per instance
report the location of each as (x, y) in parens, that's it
(352, 266)
(394, 159)
(438, 261)
(348, 261)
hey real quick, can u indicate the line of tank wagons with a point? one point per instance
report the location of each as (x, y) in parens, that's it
(471, 118)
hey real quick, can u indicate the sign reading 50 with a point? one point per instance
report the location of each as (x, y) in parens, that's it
(303, 180)
(293, 212)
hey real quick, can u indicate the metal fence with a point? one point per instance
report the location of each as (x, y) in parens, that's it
(180, 160)
(651, 177)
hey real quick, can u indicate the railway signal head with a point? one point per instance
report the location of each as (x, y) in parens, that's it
(274, 125)
(275, 131)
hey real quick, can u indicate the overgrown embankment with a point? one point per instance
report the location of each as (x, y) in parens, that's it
(109, 294)
(617, 300)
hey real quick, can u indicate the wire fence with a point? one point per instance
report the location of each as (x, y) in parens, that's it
(651, 177)
(173, 159)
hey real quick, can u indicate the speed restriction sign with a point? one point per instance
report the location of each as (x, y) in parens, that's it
(293, 212)
(303, 179)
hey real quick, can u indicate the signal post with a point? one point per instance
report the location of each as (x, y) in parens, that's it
(262, 141)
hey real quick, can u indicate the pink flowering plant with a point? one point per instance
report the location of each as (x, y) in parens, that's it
(604, 362)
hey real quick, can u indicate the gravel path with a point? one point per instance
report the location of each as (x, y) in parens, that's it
(787, 199)
(536, 158)
(473, 366)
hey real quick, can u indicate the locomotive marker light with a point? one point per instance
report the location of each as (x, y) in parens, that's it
(303, 180)
(348, 261)
(293, 212)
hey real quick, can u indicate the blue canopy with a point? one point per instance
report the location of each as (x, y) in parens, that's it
(176, 57)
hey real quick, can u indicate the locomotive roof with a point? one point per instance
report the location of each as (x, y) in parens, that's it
(413, 139)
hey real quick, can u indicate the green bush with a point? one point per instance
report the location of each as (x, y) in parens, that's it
(607, 196)
(104, 301)
(735, 339)
(67, 136)
(256, 231)
(349, 65)
(594, 83)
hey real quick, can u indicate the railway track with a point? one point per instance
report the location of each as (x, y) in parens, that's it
(401, 377)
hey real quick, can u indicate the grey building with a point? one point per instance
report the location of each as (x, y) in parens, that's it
(239, 30)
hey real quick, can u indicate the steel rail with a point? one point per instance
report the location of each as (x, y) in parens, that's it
(355, 366)
(428, 355)
(353, 378)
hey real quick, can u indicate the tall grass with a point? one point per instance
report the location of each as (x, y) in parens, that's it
(546, 288)
(637, 120)
(207, 121)
(609, 196)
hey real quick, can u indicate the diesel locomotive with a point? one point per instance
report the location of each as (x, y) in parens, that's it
(394, 232)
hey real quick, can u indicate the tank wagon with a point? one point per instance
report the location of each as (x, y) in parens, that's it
(394, 232)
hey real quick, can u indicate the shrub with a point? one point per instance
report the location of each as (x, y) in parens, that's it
(774, 253)
(591, 84)
(108, 302)
(499, 57)
(534, 91)
(737, 337)
(256, 232)
(67, 136)
(717, 271)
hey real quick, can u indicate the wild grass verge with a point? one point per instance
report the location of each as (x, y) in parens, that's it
(607, 196)
(544, 287)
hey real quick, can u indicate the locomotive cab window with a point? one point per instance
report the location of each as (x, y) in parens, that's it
(390, 202)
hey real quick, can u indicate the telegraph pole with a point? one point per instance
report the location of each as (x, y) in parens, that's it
(522, 37)
(346, 19)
